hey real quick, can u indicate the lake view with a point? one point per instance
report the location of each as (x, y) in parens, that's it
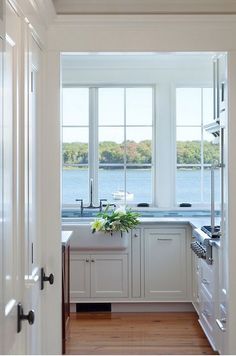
(188, 185)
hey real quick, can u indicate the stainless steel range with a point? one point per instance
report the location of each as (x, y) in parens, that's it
(203, 240)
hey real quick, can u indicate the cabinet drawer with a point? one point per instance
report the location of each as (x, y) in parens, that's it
(207, 279)
(207, 317)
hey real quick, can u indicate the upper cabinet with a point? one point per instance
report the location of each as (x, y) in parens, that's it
(219, 87)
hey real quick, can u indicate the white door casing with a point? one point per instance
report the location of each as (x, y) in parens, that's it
(12, 248)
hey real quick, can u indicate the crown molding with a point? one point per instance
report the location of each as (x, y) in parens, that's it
(134, 20)
(86, 7)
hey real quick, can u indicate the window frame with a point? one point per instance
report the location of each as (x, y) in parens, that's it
(201, 165)
(93, 141)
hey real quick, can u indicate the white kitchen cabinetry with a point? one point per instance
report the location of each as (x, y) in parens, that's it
(209, 297)
(79, 276)
(166, 264)
(196, 281)
(98, 276)
(136, 263)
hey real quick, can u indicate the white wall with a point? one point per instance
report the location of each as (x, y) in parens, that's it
(171, 33)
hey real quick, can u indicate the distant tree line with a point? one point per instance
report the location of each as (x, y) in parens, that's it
(188, 152)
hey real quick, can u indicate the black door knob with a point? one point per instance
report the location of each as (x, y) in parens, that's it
(45, 278)
(21, 316)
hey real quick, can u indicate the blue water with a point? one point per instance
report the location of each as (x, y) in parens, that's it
(188, 185)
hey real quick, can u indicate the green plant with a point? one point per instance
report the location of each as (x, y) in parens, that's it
(119, 219)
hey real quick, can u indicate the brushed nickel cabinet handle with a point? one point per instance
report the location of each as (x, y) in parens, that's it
(205, 281)
(163, 239)
(220, 323)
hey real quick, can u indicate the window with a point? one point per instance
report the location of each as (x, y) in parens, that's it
(107, 140)
(196, 150)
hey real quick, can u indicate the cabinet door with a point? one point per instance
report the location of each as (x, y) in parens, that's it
(79, 277)
(165, 263)
(109, 276)
(196, 281)
(136, 263)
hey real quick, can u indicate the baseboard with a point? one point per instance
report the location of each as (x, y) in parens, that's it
(152, 307)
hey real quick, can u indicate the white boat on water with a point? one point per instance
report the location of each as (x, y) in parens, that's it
(122, 195)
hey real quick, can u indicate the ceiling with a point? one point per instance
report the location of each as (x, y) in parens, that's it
(92, 7)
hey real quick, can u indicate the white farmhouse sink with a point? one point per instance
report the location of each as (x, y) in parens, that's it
(83, 238)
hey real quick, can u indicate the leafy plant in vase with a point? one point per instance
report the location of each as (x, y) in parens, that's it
(120, 219)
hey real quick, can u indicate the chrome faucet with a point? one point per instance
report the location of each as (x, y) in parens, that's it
(91, 206)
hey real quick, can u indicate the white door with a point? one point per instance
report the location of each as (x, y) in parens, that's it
(13, 283)
(32, 295)
(1, 195)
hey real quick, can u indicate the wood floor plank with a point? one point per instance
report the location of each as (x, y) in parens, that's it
(136, 334)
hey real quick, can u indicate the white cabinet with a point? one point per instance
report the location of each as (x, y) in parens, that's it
(109, 276)
(98, 276)
(196, 282)
(136, 263)
(209, 297)
(79, 276)
(166, 263)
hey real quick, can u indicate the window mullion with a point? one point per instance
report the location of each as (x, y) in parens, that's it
(125, 147)
(93, 141)
(202, 148)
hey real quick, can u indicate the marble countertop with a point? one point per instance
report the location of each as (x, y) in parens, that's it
(65, 237)
(195, 222)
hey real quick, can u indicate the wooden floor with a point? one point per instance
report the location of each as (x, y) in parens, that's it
(136, 333)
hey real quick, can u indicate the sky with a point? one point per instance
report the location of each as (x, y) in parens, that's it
(136, 108)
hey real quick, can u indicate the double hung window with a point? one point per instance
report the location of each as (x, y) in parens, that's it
(107, 140)
(196, 149)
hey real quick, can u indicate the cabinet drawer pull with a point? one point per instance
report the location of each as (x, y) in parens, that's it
(136, 235)
(221, 323)
(163, 239)
(205, 281)
(206, 313)
(87, 260)
(92, 260)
